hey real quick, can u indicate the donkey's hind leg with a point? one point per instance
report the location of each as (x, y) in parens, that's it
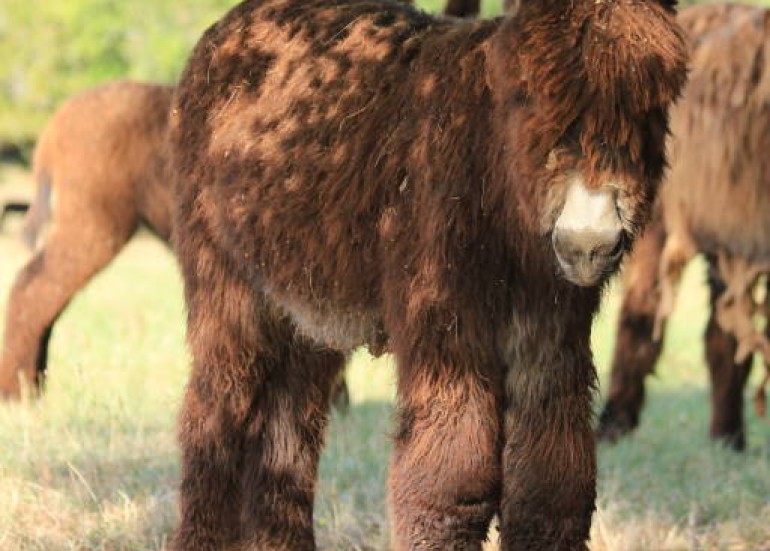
(72, 254)
(728, 378)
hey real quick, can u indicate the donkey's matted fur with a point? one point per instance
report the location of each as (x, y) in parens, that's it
(715, 200)
(104, 158)
(358, 172)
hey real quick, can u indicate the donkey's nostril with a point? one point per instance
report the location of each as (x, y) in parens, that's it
(619, 247)
(565, 248)
(609, 252)
(572, 245)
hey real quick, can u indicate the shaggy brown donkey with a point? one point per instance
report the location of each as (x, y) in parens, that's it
(104, 157)
(716, 200)
(456, 192)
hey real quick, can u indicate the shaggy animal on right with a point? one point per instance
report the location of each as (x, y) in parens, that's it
(715, 201)
(357, 172)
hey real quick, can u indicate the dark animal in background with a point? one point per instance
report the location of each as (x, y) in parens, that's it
(472, 8)
(462, 8)
(453, 192)
(12, 206)
(14, 153)
(715, 201)
(103, 156)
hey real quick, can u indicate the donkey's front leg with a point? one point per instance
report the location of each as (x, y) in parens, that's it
(445, 474)
(549, 458)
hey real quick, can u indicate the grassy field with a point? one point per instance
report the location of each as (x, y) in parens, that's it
(94, 464)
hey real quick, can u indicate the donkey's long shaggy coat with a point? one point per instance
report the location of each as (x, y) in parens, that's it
(716, 200)
(104, 158)
(358, 172)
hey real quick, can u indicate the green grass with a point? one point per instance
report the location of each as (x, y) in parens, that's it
(94, 465)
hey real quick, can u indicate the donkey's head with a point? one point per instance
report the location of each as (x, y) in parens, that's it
(582, 88)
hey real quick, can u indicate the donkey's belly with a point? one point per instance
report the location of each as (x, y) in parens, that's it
(340, 328)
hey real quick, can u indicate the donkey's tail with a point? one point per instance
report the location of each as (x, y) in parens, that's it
(39, 211)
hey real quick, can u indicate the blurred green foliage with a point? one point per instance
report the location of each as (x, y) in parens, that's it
(52, 49)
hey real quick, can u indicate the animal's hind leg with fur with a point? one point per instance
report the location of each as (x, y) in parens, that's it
(636, 351)
(728, 379)
(72, 254)
(252, 421)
